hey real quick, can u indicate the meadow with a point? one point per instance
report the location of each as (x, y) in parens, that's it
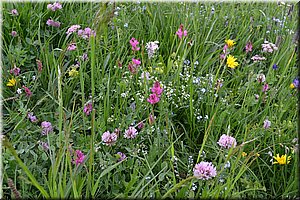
(150, 100)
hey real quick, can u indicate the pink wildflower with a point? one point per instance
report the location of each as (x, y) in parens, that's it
(132, 68)
(130, 133)
(265, 87)
(109, 138)
(261, 78)
(14, 33)
(15, 71)
(72, 47)
(156, 89)
(136, 61)
(72, 29)
(27, 91)
(140, 125)
(205, 170)
(248, 47)
(133, 42)
(153, 99)
(227, 141)
(181, 32)
(79, 157)
(88, 108)
(86, 33)
(151, 119)
(47, 127)
(55, 6)
(14, 12)
(53, 23)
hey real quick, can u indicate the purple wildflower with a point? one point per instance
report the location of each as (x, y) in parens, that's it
(205, 170)
(122, 156)
(140, 125)
(31, 117)
(267, 124)
(45, 145)
(47, 128)
(296, 83)
(275, 67)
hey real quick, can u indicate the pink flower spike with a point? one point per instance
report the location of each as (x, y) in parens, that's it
(136, 61)
(88, 108)
(79, 157)
(265, 87)
(15, 71)
(133, 42)
(180, 32)
(156, 89)
(248, 47)
(27, 91)
(153, 99)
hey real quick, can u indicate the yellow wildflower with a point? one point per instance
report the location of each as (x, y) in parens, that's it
(257, 154)
(244, 154)
(231, 62)
(230, 43)
(11, 82)
(283, 160)
(292, 86)
(73, 72)
(159, 70)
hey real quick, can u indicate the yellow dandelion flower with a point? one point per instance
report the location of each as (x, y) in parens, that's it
(73, 72)
(11, 82)
(230, 43)
(244, 154)
(292, 86)
(231, 62)
(283, 160)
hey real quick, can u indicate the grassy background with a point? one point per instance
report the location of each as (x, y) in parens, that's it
(161, 159)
